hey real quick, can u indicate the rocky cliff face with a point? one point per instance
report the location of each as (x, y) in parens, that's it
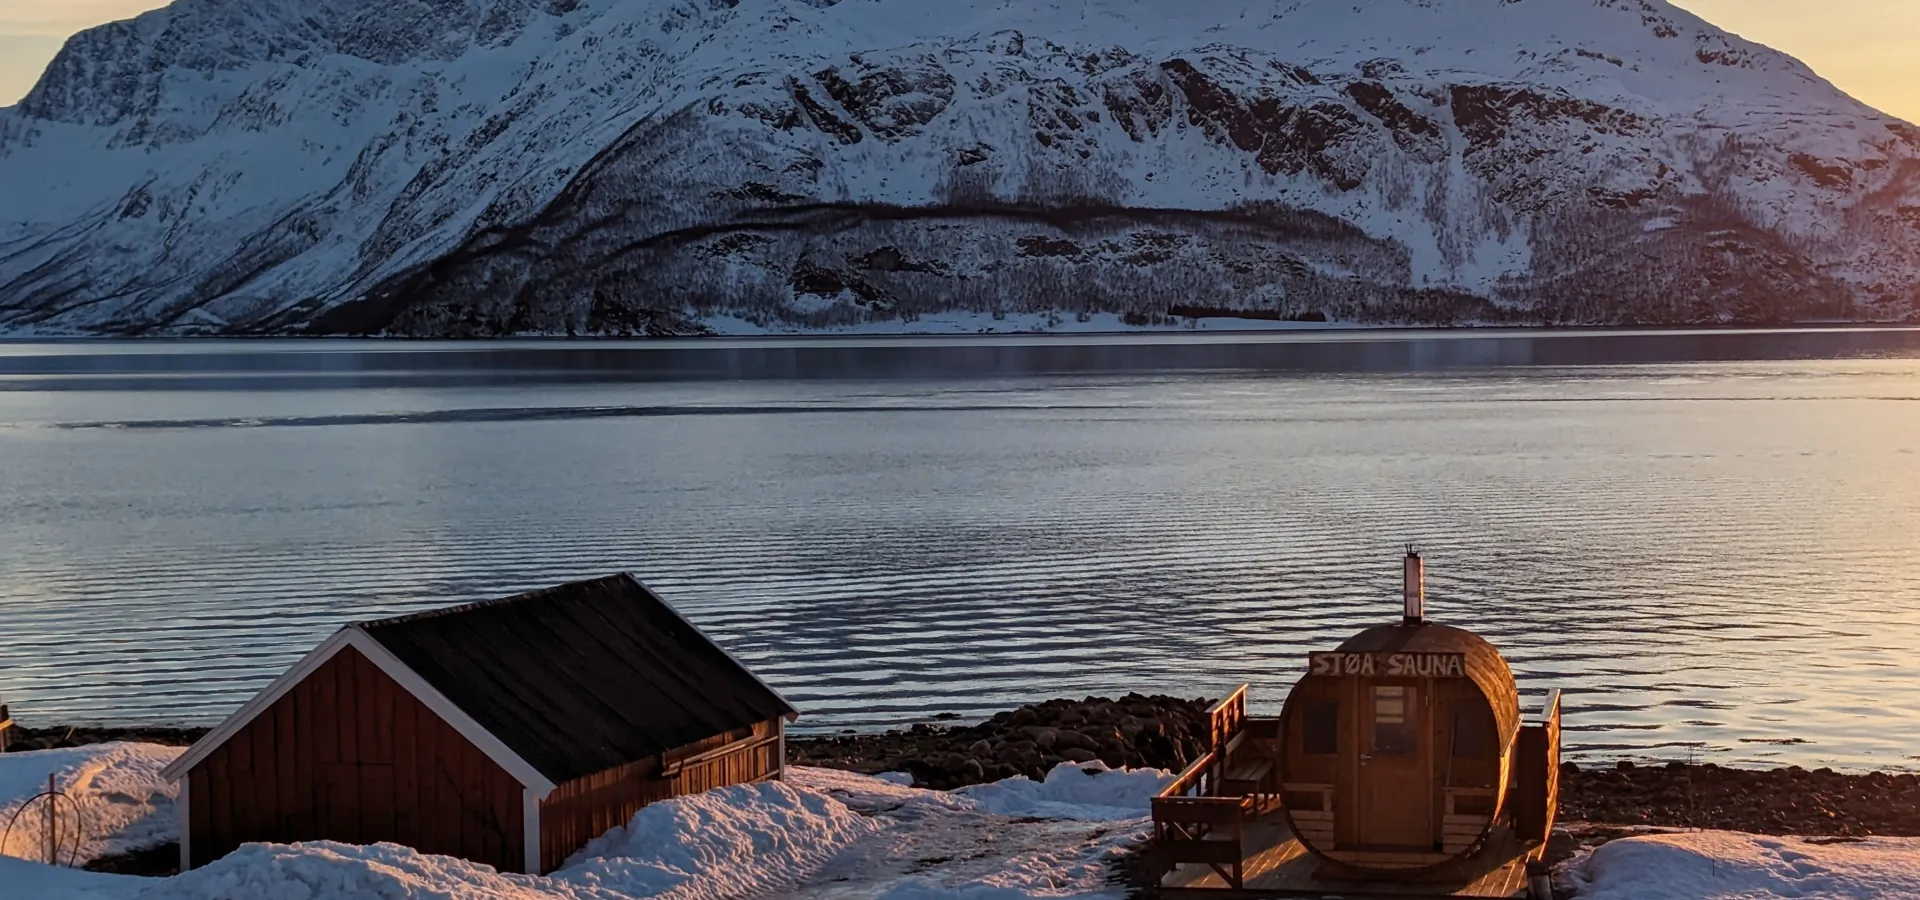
(480, 167)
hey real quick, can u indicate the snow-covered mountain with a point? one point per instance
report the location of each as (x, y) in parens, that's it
(462, 167)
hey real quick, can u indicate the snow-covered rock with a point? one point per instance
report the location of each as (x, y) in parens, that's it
(461, 167)
(1089, 792)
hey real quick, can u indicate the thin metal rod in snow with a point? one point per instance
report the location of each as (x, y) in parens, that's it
(50, 823)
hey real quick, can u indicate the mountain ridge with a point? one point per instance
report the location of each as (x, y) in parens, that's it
(481, 167)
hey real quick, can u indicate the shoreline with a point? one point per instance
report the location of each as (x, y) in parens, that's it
(1166, 732)
(1255, 324)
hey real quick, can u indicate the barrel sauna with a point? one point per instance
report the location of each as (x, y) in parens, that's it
(1398, 747)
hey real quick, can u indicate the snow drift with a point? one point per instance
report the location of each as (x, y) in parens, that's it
(1719, 865)
(477, 167)
(119, 800)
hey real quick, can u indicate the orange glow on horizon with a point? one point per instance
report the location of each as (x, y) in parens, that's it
(1869, 48)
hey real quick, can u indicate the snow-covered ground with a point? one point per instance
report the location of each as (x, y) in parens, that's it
(830, 835)
(819, 834)
(122, 801)
(1722, 865)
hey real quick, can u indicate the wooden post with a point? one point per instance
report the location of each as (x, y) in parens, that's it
(1536, 766)
(6, 724)
(1539, 880)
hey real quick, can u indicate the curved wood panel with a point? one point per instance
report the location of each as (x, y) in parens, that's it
(1488, 685)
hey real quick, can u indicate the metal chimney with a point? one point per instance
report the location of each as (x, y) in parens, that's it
(1413, 589)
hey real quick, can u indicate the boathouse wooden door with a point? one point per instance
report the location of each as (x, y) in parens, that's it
(1396, 784)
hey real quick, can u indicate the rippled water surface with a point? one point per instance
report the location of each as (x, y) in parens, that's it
(1709, 542)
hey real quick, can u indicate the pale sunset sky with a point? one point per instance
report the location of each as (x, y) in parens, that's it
(1870, 48)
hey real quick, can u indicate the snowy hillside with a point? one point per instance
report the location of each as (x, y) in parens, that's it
(463, 167)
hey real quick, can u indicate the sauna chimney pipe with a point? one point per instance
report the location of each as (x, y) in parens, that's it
(1413, 587)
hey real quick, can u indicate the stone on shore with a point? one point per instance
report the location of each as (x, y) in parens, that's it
(1134, 731)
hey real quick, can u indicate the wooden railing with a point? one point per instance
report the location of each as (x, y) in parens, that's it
(671, 767)
(1190, 823)
(1195, 779)
(1536, 776)
(1201, 830)
(1225, 719)
(1201, 777)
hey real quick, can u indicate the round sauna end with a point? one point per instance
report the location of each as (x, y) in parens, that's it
(1395, 748)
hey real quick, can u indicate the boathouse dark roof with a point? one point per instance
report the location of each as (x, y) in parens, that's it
(1485, 666)
(582, 677)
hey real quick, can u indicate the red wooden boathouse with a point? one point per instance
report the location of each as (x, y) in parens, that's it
(509, 732)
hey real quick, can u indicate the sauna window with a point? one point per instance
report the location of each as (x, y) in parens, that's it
(1393, 729)
(1472, 730)
(1320, 732)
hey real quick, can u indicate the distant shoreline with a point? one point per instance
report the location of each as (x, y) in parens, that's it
(1255, 327)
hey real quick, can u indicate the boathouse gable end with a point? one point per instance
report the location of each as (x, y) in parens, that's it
(349, 754)
(510, 732)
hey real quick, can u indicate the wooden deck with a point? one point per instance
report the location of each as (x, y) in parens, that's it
(1276, 866)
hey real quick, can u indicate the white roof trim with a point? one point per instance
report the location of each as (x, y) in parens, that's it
(795, 714)
(410, 681)
(314, 659)
(530, 833)
(495, 749)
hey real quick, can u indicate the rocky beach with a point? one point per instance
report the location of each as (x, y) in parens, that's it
(1169, 732)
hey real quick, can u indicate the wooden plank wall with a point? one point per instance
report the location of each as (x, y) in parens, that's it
(1297, 766)
(348, 755)
(585, 808)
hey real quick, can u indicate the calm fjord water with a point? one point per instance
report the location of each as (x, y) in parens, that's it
(1709, 540)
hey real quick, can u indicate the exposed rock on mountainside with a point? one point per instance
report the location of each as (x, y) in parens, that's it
(482, 167)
